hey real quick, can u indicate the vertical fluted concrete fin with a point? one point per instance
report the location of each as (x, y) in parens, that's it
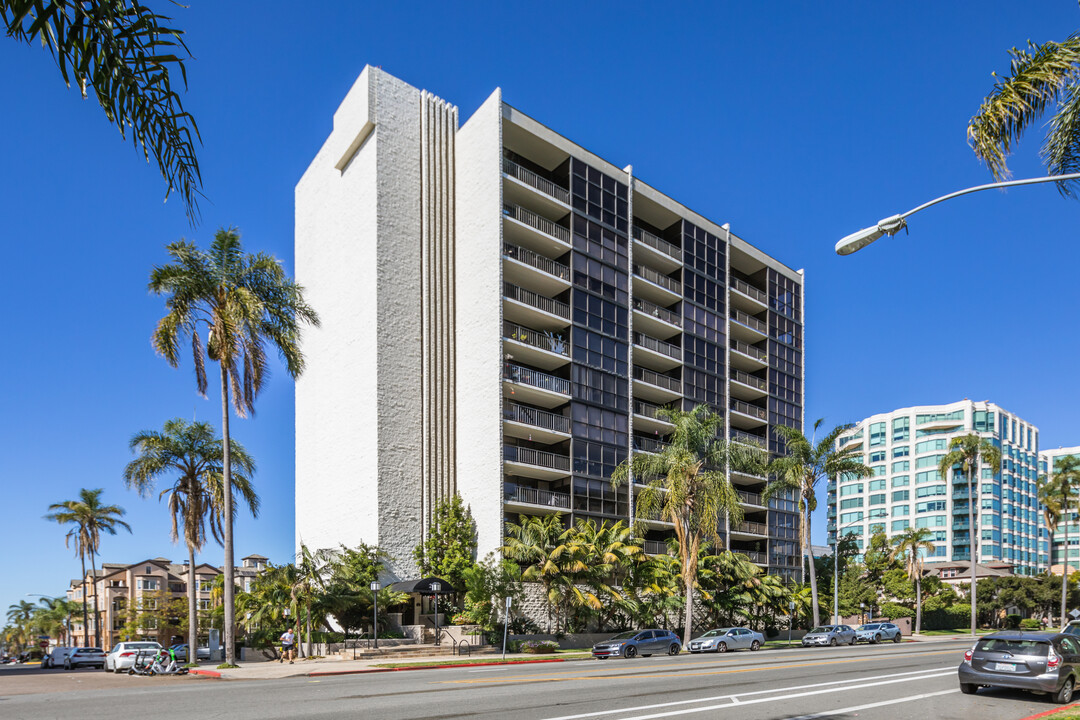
(438, 125)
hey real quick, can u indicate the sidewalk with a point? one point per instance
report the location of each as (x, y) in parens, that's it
(335, 666)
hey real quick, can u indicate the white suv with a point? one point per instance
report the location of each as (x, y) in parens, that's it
(55, 657)
(122, 655)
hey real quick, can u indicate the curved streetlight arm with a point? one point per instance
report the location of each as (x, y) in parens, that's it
(895, 223)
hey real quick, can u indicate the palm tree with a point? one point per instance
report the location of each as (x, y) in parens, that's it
(912, 546)
(192, 453)
(243, 303)
(53, 615)
(313, 568)
(687, 486)
(597, 555)
(967, 451)
(123, 52)
(539, 545)
(1040, 77)
(20, 615)
(90, 518)
(805, 463)
(1057, 493)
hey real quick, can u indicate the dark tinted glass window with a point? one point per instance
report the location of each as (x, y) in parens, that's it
(1037, 648)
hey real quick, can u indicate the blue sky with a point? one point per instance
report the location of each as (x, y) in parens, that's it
(798, 123)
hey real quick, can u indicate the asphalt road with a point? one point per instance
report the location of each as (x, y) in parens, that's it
(911, 680)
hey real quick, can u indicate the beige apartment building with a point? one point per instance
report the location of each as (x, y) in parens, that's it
(141, 586)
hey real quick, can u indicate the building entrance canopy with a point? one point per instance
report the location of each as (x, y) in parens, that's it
(423, 586)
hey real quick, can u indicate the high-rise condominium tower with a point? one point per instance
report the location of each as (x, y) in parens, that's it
(1068, 529)
(503, 314)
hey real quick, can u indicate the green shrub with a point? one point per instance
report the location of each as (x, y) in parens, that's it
(1030, 624)
(539, 646)
(1012, 622)
(954, 617)
(894, 612)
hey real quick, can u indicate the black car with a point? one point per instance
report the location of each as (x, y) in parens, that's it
(1044, 662)
(638, 642)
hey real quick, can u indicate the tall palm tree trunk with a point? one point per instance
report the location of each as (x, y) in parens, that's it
(688, 613)
(918, 601)
(972, 545)
(85, 621)
(97, 610)
(228, 629)
(193, 611)
(1065, 571)
(307, 627)
(808, 553)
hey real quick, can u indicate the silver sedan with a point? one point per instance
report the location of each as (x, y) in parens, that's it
(724, 639)
(829, 635)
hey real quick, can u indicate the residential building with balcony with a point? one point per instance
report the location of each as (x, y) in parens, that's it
(122, 588)
(1068, 527)
(904, 448)
(504, 314)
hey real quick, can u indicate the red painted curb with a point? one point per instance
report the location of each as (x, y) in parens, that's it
(209, 673)
(1051, 712)
(430, 667)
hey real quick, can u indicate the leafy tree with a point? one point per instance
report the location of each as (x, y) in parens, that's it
(1057, 494)
(20, 615)
(912, 546)
(157, 614)
(192, 453)
(878, 560)
(596, 556)
(897, 584)
(686, 485)
(450, 548)
(53, 615)
(487, 585)
(967, 452)
(124, 53)
(1041, 76)
(243, 303)
(89, 519)
(806, 463)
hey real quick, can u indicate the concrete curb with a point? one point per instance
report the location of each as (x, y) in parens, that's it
(1052, 712)
(432, 667)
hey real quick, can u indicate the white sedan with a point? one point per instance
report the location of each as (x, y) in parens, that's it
(122, 655)
(724, 639)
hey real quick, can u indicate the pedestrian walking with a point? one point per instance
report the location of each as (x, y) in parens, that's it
(288, 646)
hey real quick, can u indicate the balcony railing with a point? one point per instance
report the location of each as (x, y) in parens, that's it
(758, 353)
(754, 528)
(544, 419)
(660, 279)
(657, 312)
(528, 297)
(655, 547)
(748, 409)
(536, 260)
(647, 409)
(539, 458)
(740, 436)
(549, 341)
(659, 346)
(668, 383)
(535, 378)
(749, 321)
(657, 243)
(532, 496)
(536, 182)
(748, 289)
(755, 556)
(651, 445)
(537, 222)
(749, 498)
(747, 379)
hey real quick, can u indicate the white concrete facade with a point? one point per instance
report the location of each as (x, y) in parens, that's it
(1068, 528)
(503, 314)
(904, 449)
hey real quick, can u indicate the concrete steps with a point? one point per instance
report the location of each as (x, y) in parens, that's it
(410, 652)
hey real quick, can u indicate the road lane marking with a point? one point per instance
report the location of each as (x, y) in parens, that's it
(735, 698)
(856, 708)
(494, 669)
(793, 696)
(565, 676)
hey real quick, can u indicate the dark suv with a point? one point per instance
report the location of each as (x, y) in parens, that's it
(1044, 662)
(638, 642)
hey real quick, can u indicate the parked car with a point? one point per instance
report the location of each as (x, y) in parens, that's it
(829, 635)
(638, 642)
(724, 639)
(876, 632)
(55, 657)
(122, 655)
(1045, 662)
(181, 650)
(77, 657)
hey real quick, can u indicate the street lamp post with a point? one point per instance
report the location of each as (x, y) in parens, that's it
(435, 588)
(375, 587)
(791, 619)
(862, 614)
(895, 223)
